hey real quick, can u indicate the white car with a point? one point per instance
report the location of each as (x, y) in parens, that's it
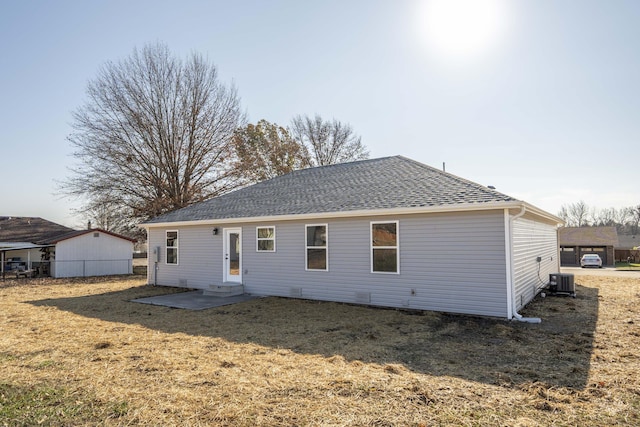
(591, 260)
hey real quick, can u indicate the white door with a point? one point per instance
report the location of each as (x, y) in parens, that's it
(232, 255)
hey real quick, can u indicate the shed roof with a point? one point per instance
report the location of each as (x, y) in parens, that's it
(375, 184)
(77, 233)
(588, 236)
(29, 229)
(39, 232)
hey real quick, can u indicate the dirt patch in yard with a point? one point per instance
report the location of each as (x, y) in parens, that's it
(278, 361)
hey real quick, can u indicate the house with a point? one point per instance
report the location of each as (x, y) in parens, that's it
(577, 241)
(388, 232)
(38, 245)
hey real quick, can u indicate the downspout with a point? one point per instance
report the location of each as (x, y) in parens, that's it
(156, 255)
(511, 294)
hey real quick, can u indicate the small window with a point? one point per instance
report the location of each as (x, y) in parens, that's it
(385, 251)
(96, 234)
(266, 239)
(316, 247)
(172, 247)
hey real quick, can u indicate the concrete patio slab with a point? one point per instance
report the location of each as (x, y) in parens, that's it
(193, 300)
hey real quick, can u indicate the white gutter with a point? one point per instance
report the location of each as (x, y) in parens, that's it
(511, 292)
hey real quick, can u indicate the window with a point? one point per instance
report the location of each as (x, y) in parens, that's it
(384, 247)
(172, 247)
(266, 239)
(316, 247)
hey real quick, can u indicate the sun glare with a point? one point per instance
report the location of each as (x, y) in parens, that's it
(462, 30)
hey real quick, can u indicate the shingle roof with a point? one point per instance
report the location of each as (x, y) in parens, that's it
(628, 241)
(588, 236)
(29, 229)
(384, 183)
(77, 233)
(41, 232)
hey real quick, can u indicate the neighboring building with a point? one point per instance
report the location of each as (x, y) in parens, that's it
(389, 232)
(48, 248)
(577, 241)
(628, 248)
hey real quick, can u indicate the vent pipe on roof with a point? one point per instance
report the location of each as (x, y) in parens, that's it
(444, 169)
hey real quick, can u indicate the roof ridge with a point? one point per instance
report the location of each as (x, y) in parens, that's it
(351, 162)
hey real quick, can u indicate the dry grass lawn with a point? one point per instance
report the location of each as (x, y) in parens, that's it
(79, 353)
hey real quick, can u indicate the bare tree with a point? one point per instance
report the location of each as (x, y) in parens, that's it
(575, 214)
(622, 216)
(154, 134)
(603, 217)
(564, 215)
(328, 142)
(634, 214)
(266, 150)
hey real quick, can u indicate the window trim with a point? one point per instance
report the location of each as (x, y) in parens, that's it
(176, 247)
(258, 238)
(325, 247)
(396, 247)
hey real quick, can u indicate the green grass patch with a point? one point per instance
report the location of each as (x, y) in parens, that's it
(627, 266)
(45, 405)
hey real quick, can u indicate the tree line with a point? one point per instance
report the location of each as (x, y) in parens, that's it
(157, 133)
(579, 214)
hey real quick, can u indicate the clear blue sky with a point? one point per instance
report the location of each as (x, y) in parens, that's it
(539, 98)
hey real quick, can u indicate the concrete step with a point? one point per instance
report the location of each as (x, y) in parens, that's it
(224, 290)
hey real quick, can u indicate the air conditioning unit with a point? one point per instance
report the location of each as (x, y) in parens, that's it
(560, 283)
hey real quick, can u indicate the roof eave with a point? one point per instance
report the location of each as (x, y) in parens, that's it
(462, 207)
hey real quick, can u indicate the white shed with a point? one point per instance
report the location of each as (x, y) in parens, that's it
(37, 246)
(91, 253)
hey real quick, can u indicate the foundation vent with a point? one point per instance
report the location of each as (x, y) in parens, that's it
(363, 297)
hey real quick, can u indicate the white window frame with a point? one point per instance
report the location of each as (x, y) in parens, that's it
(166, 252)
(325, 247)
(396, 247)
(259, 239)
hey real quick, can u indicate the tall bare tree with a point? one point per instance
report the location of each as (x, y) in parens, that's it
(154, 134)
(575, 214)
(328, 142)
(634, 214)
(266, 150)
(622, 217)
(603, 217)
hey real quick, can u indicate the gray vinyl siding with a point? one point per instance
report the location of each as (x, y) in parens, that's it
(451, 262)
(532, 239)
(199, 257)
